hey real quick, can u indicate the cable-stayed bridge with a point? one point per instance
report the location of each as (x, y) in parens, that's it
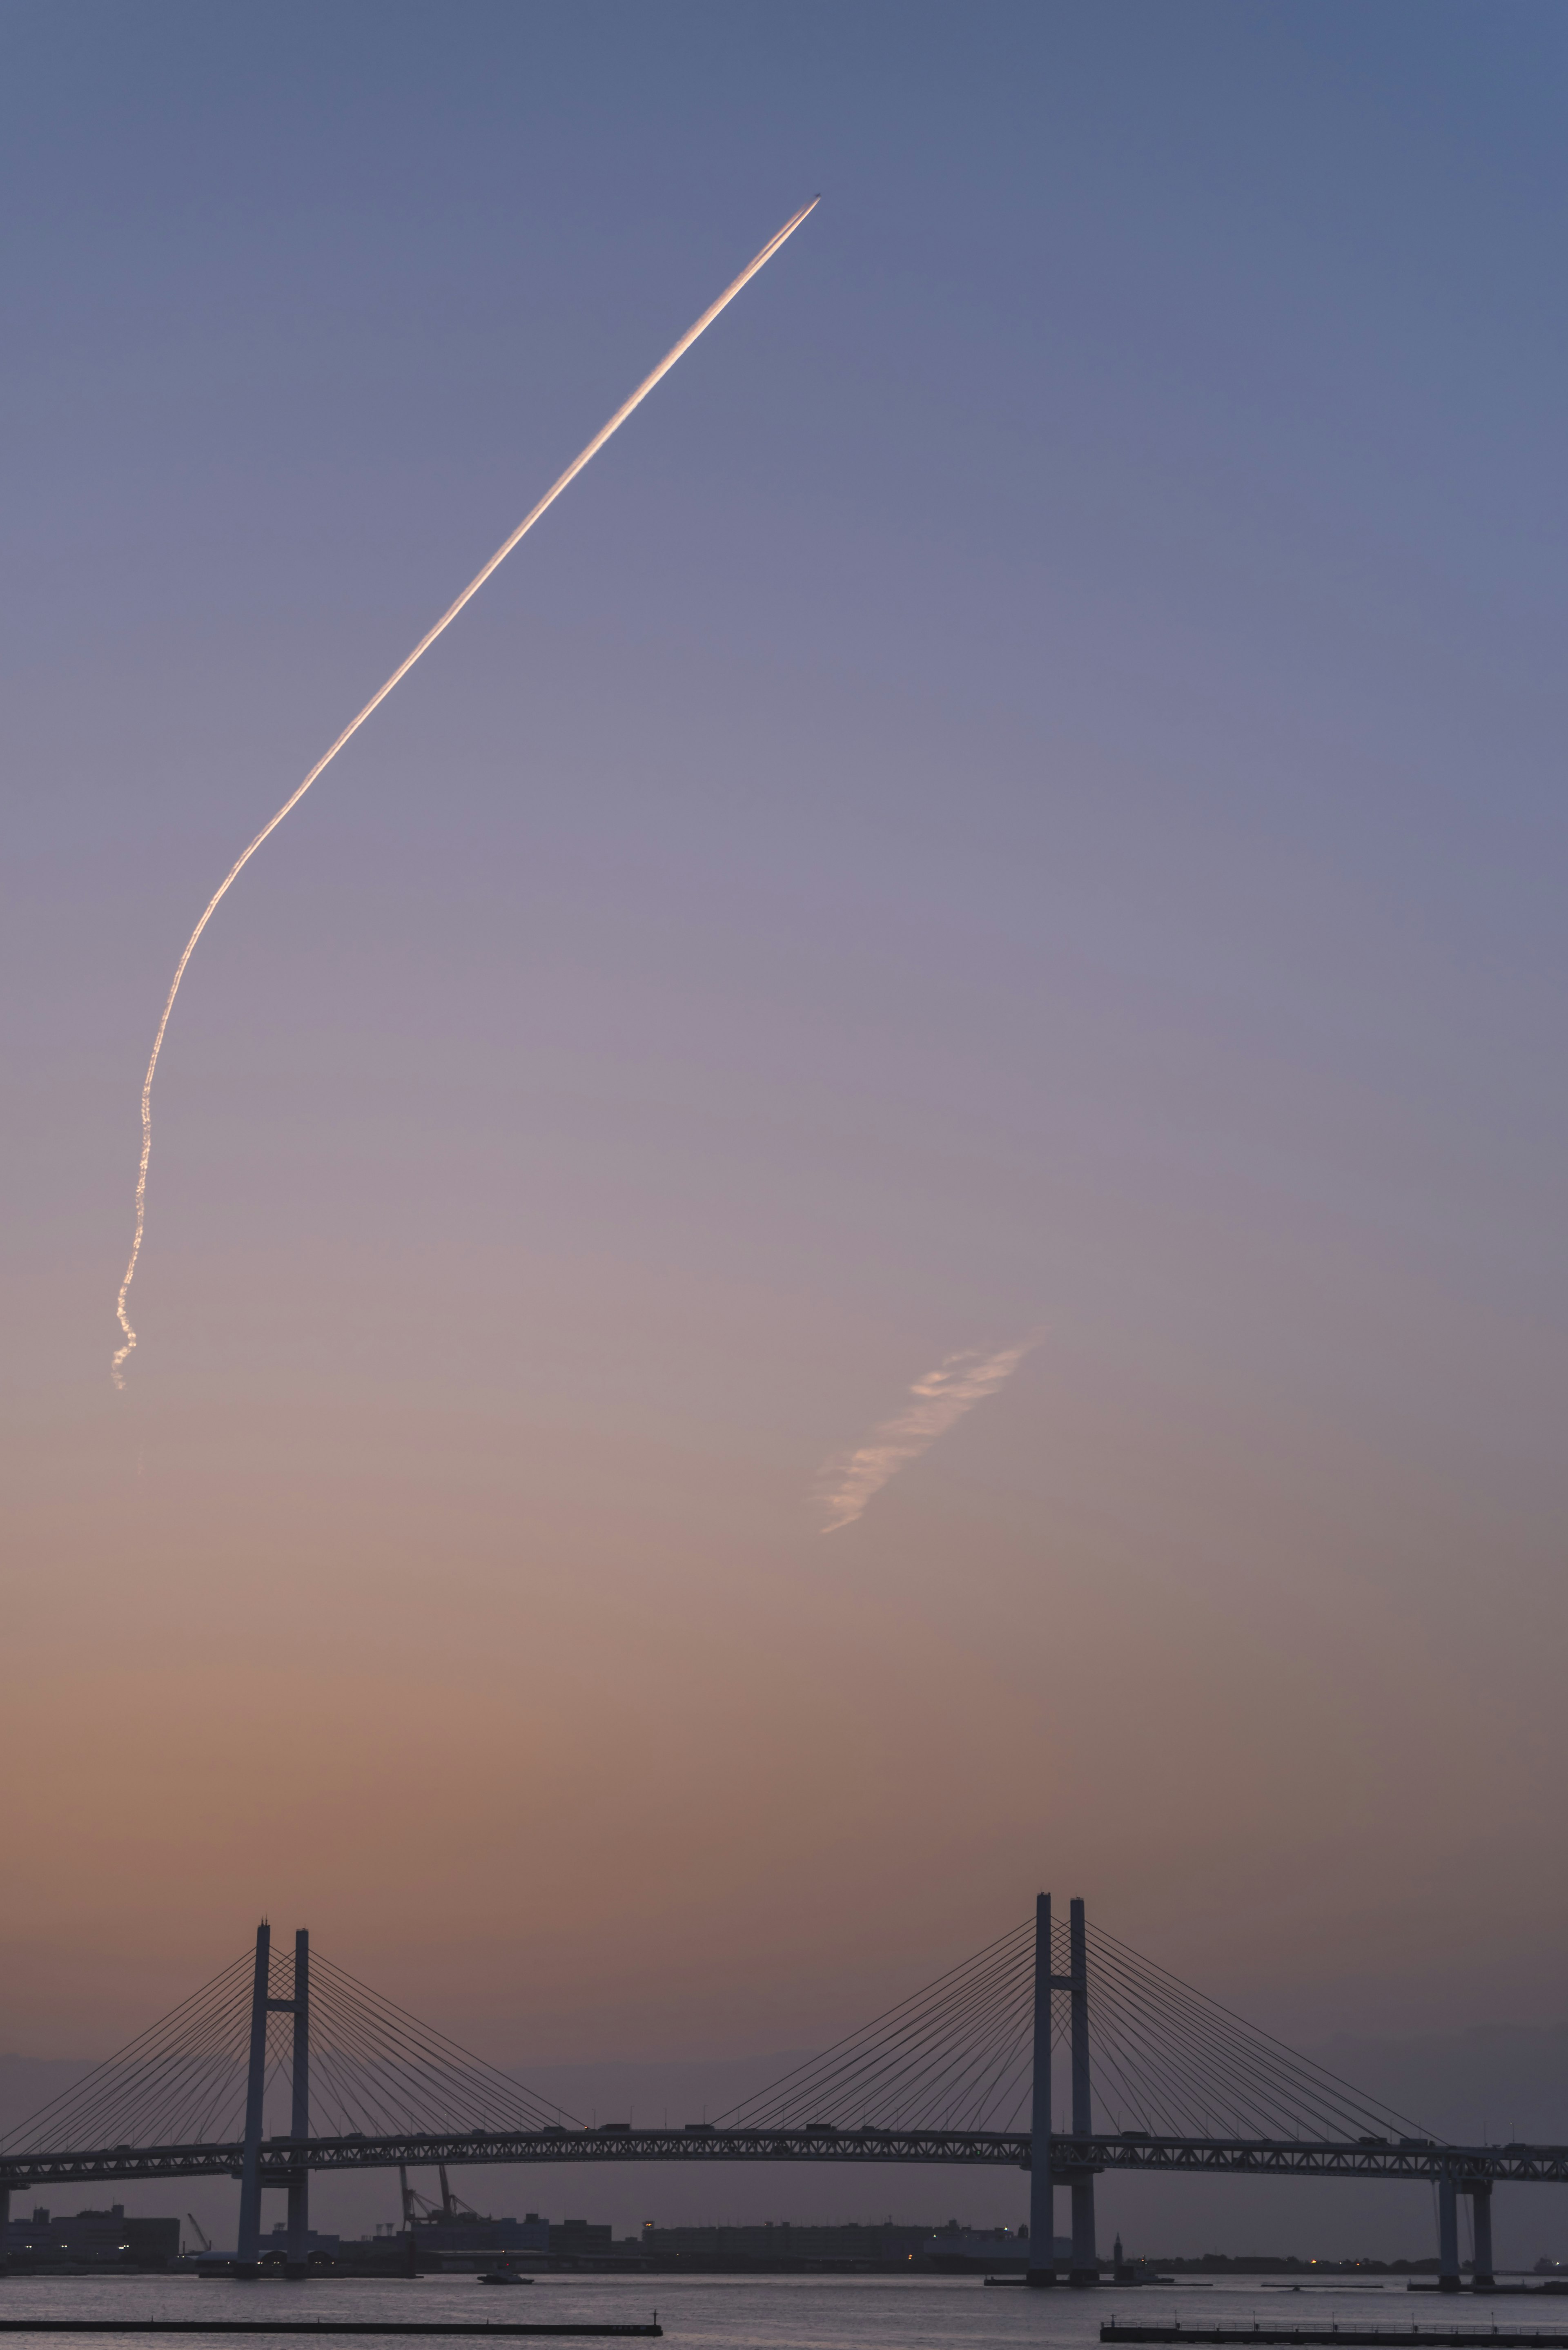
(1152, 2077)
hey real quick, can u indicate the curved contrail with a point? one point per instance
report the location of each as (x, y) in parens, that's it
(941, 1398)
(425, 642)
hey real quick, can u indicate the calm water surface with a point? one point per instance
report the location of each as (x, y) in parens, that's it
(770, 2313)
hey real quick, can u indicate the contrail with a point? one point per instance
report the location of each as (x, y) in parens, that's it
(959, 1382)
(425, 642)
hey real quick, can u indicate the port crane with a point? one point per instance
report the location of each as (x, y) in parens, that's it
(417, 2208)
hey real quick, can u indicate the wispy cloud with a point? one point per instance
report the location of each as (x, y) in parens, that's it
(942, 1397)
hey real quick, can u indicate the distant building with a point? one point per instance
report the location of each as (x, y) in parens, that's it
(954, 2247)
(876, 2244)
(781, 2245)
(92, 2239)
(472, 2231)
(277, 2241)
(457, 2240)
(580, 2236)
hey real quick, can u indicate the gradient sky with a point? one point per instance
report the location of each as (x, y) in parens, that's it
(1022, 799)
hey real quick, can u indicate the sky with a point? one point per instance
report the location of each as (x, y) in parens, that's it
(1013, 816)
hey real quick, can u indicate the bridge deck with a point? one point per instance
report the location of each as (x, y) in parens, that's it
(1311, 2157)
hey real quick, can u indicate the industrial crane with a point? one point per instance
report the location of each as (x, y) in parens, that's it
(417, 2208)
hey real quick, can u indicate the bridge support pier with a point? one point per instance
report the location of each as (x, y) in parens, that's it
(1482, 2276)
(1085, 2269)
(1448, 2233)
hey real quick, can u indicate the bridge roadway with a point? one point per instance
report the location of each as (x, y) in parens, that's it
(1072, 2154)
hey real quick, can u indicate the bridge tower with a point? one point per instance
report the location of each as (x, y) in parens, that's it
(1042, 2185)
(262, 2006)
(1041, 2175)
(299, 2109)
(1085, 2269)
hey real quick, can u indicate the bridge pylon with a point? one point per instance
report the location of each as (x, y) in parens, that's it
(1042, 2185)
(263, 2005)
(1042, 2180)
(1085, 2269)
(299, 2109)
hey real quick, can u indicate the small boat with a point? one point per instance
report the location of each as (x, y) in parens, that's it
(502, 2276)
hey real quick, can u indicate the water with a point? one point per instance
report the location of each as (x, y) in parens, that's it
(765, 2312)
